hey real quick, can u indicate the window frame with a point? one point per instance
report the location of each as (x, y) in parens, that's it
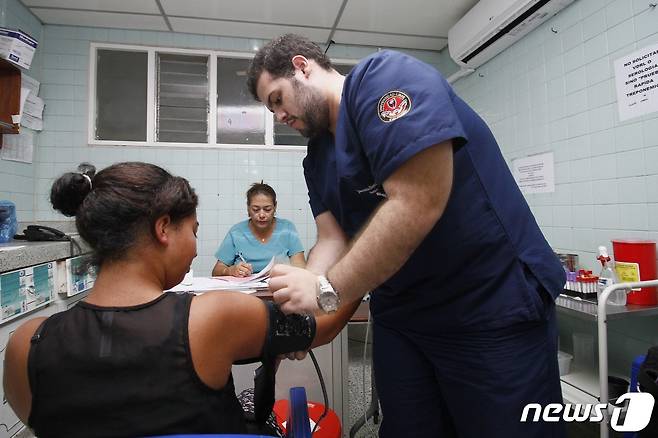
(151, 100)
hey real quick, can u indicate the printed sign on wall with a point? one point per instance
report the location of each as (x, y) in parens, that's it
(535, 174)
(636, 77)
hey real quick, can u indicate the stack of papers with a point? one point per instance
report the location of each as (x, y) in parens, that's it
(240, 284)
(204, 284)
(20, 147)
(31, 106)
(263, 275)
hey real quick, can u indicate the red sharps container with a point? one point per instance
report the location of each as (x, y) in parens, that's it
(635, 260)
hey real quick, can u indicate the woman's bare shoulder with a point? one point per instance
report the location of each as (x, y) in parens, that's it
(24, 333)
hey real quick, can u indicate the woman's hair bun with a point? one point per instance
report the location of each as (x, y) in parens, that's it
(87, 169)
(70, 189)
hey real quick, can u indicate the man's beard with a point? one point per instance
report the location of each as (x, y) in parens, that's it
(315, 110)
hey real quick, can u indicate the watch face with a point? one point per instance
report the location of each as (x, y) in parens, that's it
(328, 301)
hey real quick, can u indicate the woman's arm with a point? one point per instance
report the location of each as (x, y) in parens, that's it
(15, 380)
(219, 269)
(225, 327)
(298, 260)
(330, 325)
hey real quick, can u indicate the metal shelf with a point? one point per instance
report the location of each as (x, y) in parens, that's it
(589, 310)
(573, 392)
(583, 384)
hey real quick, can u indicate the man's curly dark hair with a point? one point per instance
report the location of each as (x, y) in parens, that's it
(275, 58)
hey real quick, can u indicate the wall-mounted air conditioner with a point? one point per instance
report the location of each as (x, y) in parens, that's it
(493, 25)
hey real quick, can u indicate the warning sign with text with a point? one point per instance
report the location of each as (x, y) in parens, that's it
(636, 77)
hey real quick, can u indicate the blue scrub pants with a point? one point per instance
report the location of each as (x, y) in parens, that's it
(467, 385)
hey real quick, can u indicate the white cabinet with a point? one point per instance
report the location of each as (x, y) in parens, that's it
(9, 423)
(31, 292)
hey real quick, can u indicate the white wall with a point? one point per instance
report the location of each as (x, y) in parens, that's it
(556, 92)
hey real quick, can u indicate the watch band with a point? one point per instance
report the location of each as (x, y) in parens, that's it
(324, 284)
(327, 297)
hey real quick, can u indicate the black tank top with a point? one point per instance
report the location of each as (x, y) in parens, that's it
(124, 372)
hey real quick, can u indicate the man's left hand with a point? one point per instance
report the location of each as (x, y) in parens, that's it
(294, 289)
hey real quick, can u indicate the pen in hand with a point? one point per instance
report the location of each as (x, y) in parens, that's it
(245, 264)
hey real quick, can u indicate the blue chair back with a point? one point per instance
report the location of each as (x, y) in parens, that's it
(298, 424)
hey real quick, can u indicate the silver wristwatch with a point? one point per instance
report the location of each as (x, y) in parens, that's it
(328, 299)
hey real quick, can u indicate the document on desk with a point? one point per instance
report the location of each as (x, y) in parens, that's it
(263, 275)
(203, 284)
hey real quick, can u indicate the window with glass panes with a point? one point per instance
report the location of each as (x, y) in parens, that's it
(178, 97)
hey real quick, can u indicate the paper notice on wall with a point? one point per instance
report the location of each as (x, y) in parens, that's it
(535, 174)
(29, 121)
(30, 83)
(17, 147)
(25, 92)
(636, 78)
(31, 106)
(34, 106)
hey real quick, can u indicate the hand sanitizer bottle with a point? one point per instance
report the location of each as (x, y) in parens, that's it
(607, 277)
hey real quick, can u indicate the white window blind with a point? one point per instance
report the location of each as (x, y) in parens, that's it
(182, 98)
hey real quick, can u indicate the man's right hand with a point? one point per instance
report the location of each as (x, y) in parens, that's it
(294, 289)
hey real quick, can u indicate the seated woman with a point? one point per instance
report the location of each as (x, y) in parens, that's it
(130, 360)
(250, 245)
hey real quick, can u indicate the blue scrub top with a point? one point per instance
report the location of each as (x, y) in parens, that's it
(485, 263)
(284, 241)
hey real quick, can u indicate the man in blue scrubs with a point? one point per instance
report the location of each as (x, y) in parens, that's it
(414, 202)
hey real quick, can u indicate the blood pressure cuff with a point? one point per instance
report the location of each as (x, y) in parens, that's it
(285, 333)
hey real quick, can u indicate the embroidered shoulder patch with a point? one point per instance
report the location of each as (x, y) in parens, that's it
(393, 105)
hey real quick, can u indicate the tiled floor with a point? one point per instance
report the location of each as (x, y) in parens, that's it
(357, 402)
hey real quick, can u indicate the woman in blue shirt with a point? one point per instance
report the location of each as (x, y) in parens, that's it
(250, 245)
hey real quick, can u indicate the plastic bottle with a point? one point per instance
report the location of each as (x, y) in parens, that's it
(607, 277)
(8, 223)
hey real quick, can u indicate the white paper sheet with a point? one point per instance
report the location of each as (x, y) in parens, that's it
(535, 173)
(17, 147)
(636, 80)
(34, 106)
(30, 83)
(200, 284)
(258, 276)
(25, 92)
(31, 122)
(31, 107)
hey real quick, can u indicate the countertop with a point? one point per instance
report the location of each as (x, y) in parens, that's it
(18, 254)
